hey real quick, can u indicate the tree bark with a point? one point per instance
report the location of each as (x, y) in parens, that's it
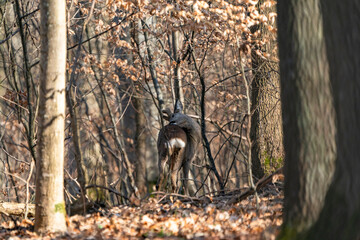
(340, 217)
(308, 114)
(267, 149)
(50, 205)
(255, 134)
(140, 147)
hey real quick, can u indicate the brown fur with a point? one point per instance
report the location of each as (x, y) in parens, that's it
(175, 152)
(192, 131)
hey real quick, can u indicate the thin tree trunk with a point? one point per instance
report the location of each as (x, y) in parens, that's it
(82, 174)
(203, 125)
(140, 146)
(255, 130)
(50, 205)
(177, 74)
(71, 101)
(30, 128)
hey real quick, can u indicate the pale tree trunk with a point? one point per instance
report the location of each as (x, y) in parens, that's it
(340, 216)
(140, 123)
(179, 94)
(50, 204)
(308, 113)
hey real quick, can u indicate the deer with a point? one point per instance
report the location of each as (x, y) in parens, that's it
(177, 144)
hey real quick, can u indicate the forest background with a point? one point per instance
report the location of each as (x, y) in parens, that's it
(126, 62)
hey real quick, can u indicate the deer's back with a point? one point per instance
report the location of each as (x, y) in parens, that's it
(171, 137)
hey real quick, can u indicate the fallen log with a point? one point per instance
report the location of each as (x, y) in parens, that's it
(260, 184)
(16, 209)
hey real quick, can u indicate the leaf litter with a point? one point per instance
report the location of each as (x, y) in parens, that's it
(174, 219)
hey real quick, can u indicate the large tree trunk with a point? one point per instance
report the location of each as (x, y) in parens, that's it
(266, 123)
(308, 115)
(340, 217)
(50, 205)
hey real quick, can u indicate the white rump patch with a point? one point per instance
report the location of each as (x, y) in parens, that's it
(175, 143)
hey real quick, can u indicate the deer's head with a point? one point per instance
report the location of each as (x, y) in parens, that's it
(182, 120)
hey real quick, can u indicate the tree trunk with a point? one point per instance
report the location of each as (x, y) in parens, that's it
(340, 217)
(82, 176)
(50, 205)
(96, 171)
(255, 134)
(151, 110)
(179, 94)
(140, 146)
(266, 124)
(308, 114)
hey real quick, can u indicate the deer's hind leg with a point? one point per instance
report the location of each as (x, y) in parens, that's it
(163, 158)
(175, 165)
(186, 169)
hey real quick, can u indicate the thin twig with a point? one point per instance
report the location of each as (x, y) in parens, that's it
(102, 33)
(237, 149)
(203, 124)
(16, 159)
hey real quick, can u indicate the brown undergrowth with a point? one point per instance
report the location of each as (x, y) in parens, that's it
(173, 218)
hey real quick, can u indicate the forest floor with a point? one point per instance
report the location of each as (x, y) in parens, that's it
(172, 219)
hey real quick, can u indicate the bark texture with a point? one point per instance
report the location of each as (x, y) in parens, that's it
(266, 124)
(340, 217)
(50, 205)
(308, 114)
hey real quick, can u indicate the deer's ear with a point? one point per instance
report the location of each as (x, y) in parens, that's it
(178, 106)
(166, 114)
